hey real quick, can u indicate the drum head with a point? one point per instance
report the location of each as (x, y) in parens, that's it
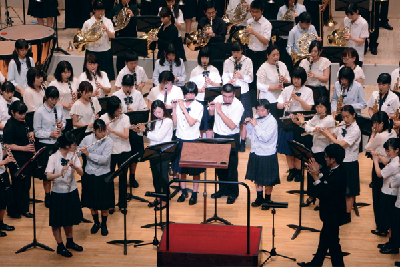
(31, 33)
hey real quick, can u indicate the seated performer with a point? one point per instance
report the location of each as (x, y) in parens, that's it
(187, 117)
(218, 26)
(303, 27)
(160, 131)
(238, 71)
(296, 97)
(388, 195)
(98, 195)
(348, 136)
(395, 85)
(291, 5)
(330, 188)
(172, 62)
(34, 93)
(205, 75)
(231, 7)
(350, 59)
(348, 92)
(6, 196)
(381, 132)
(93, 74)
(17, 139)
(228, 111)
(165, 91)
(132, 67)
(263, 133)
(48, 123)
(65, 207)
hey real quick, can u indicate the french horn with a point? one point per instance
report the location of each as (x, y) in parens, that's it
(237, 15)
(147, 37)
(241, 36)
(304, 45)
(336, 37)
(199, 38)
(90, 35)
(121, 20)
(288, 16)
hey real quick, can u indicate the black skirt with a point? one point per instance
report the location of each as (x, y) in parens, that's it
(6, 195)
(386, 211)
(395, 238)
(97, 194)
(105, 60)
(43, 9)
(65, 209)
(353, 178)
(137, 145)
(189, 10)
(263, 170)
(175, 165)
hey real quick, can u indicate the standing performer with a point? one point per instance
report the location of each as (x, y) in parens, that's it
(350, 59)
(232, 9)
(132, 67)
(67, 87)
(238, 70)
(5, 191)
(43, 9)
(48, 122)
(296, 97)
(16, 140)
(348, 136)
(187, 117)
(97, 78)
(218, 26)
(6, 99)
(394, 242)
(205, 75)
(263, 133)
(19, 65)
(65, 207)
(160, 131)
(34, 93)
(320, 142)
(102, 48)
(381, 132)
(189, 12)
(97, 148)
(330, 187)
(118, 128)
(165, 91)
(228, 111)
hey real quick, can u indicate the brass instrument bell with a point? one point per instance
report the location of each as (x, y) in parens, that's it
(90, 35)
(121, 20)
(336, 37)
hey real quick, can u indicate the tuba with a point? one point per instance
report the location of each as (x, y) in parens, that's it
(241, 36)
(288, 16)
(304, 44)
(122, 19)
(90, 35)
(336, 37)
(147, 37)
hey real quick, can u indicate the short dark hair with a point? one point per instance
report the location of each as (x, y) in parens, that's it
(271, 48)
(131, 56)
(301, 73)
(382, 117)
(204, 52)
(17, 107)
(91, 58)
(32, 74)
(263, 103)
(51, 91)
(99, 4)
(351, 52)
(113, 104)
(392, 142)
(84, 86)
(350, 109)
(323, 100)
(304, 17)
(189, 87)
(236, 46)
(67, 139)
(166, 76)
(171, 50)
(317, 44)
(347, 73)
(335, 151)
(351, 9)
(99, 124)
(8, 87)
(228, 88)
(287, 3)
(208, 5)
(128, 80)
(61, 67)
(384, 78)
(257, 4)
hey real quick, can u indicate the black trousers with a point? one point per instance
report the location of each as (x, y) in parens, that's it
(312, 7)
(320, 159)
(377, 184)
(230, 174)
(258, 58)
(118, 159)
(329, 239)
(160, 175)
(20, 189)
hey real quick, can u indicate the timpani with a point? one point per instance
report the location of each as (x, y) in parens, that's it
(6, 51)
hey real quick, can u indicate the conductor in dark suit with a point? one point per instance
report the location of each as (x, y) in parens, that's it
(330, 188)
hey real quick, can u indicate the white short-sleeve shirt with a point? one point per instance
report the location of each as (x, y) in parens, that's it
(395, 77)
(305, 93)
(183, 129)
(396, 184)
(389, 106)
(267, 75)
(352, 136)
(233, 111)
(358, 73)
(162, 132)
(119, 144)
(246, 71)
(388, 172)
(318, 68)
(359, 29)
(85, 112)
(104, 43)
(33, 99)
(264, 28)
(377, 142)
(137, 102)
(65, 93)
(140, 75)
(103, 80)
(198, 77)
(175, 93)
(320, 142)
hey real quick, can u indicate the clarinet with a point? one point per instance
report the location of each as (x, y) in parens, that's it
(56, 118)
(277, 69)
(95, 79)
(134, 79)
(70, 90)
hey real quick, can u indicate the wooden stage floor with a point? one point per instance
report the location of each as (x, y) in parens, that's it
(356, 237)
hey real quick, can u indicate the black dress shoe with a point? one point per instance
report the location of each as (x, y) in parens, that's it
(182, 198)
(217, 194)
(133, 183)
(379, 232)
(28, 215)
(316, 208)
(242, 149)
(74, 246)
(64, 252)
(374, 50)
(14, 216)
(258, 202)
(386, 26)
(6, 227)
(386, 245)
(291, 175)
(310, 264)
(230, 200)
(95, 228)
(111, 211)
(152, 204)
(104, 230)
(397, 263)
(2, 234)
(389, 250)
(308, 202)
(193, 199)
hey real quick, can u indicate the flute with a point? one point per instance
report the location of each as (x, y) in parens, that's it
(295, 116)
(212, 104)
(147, 124)
(184, 100)
(321, 129)
(248, 121)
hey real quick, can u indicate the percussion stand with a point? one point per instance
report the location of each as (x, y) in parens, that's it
(34, 243)
(57, 47)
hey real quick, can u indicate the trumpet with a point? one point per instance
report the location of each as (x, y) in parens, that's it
(296, 116)
(321, 129)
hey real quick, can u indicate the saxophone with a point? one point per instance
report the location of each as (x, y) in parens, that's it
(375, 108)
(396, 118)
(397, 84)
(340, 102)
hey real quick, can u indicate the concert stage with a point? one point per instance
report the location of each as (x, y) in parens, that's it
(209, 245)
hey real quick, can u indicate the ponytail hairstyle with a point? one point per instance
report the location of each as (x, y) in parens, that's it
(393, 143)
(84, 86)
(66, 139)
(99, 124)
(91, 58)
(158, 104)
(382, 117)
(21, 44)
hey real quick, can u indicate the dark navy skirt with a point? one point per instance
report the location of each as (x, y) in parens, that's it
(283, 137)
(386, 211)
(353, 178)
(175, 165)
(263, 170)
(65, 209)
(207, 121)
(97, 193)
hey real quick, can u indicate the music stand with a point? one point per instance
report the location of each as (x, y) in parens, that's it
(281, 28)
(34, 243)
(160, 152)
(213, 92)
(147, 23)
(363, 5)
(334, 53)
(219, 141)
(124, 210)
(220, 52)
(319, 91)
(304, 154)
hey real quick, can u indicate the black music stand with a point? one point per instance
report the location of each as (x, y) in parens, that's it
(230, 141)
(304, 154)
(123, 45)
(334, 53)
(124, 210)
(160, 152)
(220, 52)
(57, 48)
(340, 5)
(213, 92)
(34, 243)
(135, 117)
(281, 28)
(147, 23)
(319, 91)
(103, 104)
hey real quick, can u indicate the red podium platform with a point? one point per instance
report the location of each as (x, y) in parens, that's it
(209, 245)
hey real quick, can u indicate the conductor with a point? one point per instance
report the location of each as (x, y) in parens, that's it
(330, 188)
